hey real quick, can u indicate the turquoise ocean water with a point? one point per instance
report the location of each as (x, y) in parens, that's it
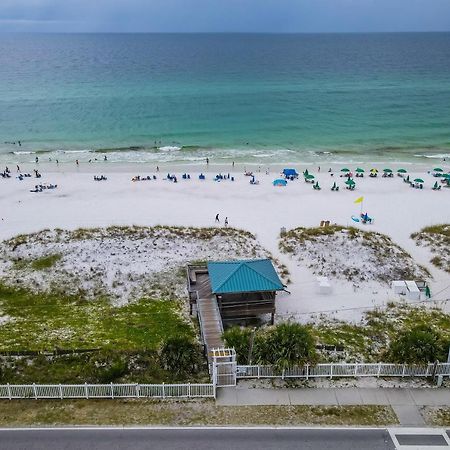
(257, 98)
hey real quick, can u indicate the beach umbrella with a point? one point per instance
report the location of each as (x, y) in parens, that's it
(374, 170)
(446, 175)
(279, 182)
(345, 169)
(309, 177)
(349, 182)
(359, 170)
(437, 169)
(402, 171)
(419, 180)
(387, 170)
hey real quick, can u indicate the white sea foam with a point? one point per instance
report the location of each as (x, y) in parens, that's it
(169, 148)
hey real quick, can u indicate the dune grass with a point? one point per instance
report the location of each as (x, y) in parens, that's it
(42, 321)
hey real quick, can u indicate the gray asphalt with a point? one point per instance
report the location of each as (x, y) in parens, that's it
(195, 439)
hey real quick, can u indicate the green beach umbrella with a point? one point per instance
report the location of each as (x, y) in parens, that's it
(402, 171)
(446, 175)
(349, 182)
(345, 169)
(387, 170)
(419, 180)
(359, 170)
(309, 177)
(437, 169)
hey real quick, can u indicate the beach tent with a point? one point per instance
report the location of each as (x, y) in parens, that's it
(290, 173)
(279, 182)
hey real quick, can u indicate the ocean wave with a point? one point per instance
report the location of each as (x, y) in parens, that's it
(169, 148)
(438, 156)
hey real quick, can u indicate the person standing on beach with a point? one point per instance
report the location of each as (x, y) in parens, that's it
(76, 161)
(232, 164)
(217, 218)
(18, 168)
(157, 168)
(37, 159)
(226, 222)
(105, 158)
(207, 161)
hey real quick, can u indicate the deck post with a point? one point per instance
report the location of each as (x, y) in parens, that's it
(9, 392)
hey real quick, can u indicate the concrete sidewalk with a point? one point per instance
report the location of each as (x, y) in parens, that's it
(405, 402)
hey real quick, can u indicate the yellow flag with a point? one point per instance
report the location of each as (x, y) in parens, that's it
(359, 200)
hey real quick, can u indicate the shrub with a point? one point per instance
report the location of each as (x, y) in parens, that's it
(239, 339)
(420, 344)
(285, 345)
(180, 355)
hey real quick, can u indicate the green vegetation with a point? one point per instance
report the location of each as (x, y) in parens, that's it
(284, 345)
(124, 343)
(421, 344)
(380, 336)
(181, 413)
(180, 355)
(45, 262)
(47, 322)
(437, 238)
(371, 339)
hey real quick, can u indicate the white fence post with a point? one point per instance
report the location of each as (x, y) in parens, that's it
(189, 390)
(163, 391)
(307, 372)
(86, 392)
(112, 391)
(9, 392)
(259, 372)
(356, 369)
(331, 371)
(379, 370)
(60, 391)
(34, 391)
(403, 371)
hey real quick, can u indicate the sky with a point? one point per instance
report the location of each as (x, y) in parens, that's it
(286, 16)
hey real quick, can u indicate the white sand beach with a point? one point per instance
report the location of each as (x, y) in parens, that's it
(398, 210)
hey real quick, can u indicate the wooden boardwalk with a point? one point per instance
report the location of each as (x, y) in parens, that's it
(208, 314)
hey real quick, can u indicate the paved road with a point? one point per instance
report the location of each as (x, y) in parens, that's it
(195, 439)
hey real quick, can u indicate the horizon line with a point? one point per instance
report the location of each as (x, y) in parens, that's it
(226, 32)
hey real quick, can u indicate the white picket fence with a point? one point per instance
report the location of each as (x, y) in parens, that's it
(65, 391)
(345, 370)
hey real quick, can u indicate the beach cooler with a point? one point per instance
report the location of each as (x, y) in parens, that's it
(413, 291)
(399, 287)
(324, 285)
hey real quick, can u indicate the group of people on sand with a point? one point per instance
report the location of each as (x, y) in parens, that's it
(146, 178)
(217, 220)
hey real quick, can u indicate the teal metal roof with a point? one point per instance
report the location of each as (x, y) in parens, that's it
(257, 275)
